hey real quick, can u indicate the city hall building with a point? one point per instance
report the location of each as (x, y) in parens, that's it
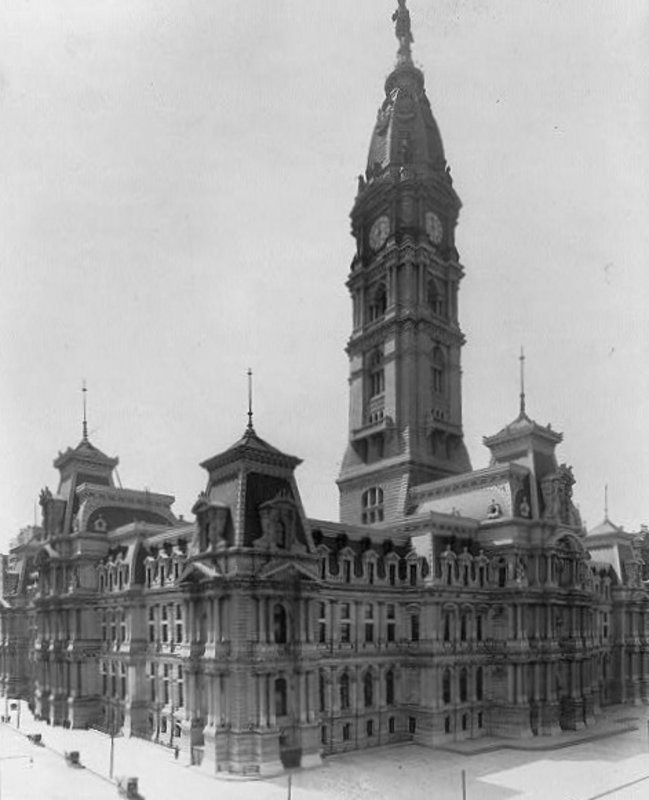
(446, 603)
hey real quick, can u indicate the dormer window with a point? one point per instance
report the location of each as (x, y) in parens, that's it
(280, 535)
(372, 506)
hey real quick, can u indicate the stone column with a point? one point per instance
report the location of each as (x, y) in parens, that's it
(272, 717)
(301, 683)
(261, 701)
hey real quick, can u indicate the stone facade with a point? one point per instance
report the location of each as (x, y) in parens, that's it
(446, 603)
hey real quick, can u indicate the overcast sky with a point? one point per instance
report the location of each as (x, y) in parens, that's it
(177, 178)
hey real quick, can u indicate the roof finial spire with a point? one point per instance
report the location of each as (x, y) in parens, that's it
(606, 501)
(250, 428)
(521, 358)
(403, 32)
(84, 391)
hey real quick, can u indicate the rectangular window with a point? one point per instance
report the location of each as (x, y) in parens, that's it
(113, 628)
(122, 627)
(113, 679)
(413, 574)
(348, 571)
(323, 734)
(152, 682)
(369, 727)
(122, 676)
(179, 623)
(345, 623)
(165, 684)
(347, 732)
(370, 572)
(322, 623)
(478, 627)
(391, 623)
(392, 574)
(165, 625)
(151, 624)
(414, 627)
(104, 632)
(391, 726)
(180, 687)
(377, 382)
(369, 623)
(412, 724)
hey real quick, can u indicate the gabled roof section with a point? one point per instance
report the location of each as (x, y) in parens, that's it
(523, 428)
(85, 451)
(251, 448)
(605, 528)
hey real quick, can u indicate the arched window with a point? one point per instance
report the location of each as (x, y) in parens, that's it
(376, 374)
(479, 688)
(280, 697)
(279, 624)
(368, 690)
(463, 626)
(389, 688)
(372, 506)
(446, 686)
(378, 302)
(463, 685)
(434, 297)
(344, 691)
(437, 371)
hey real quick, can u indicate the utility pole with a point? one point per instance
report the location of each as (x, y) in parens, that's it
(112, 751)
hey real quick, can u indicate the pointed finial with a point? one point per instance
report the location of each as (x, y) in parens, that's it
(521, 358)
(84, 391)
(606, 501)
(403, 31)
(250, 428)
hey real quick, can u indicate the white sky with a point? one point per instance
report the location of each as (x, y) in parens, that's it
(177, 177)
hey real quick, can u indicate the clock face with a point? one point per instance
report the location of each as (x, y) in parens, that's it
(379, 232)
(434, 228)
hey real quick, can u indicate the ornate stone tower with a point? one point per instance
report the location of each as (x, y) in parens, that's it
(405, 418)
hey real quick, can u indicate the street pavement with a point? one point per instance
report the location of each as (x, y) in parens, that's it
(615, 767)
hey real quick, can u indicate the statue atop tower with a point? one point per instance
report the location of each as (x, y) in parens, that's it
(403, 32)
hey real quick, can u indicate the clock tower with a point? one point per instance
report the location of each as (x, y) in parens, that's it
(405, 411)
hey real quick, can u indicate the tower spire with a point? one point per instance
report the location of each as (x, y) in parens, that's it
(250, 428)
(403, 31)
(521, 358)
(84, 428)
(606, 501)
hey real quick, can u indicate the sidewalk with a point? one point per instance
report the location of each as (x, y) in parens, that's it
(614, 721)
(160, 775)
